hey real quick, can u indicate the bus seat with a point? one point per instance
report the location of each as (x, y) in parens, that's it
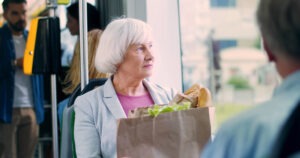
(68, 149)
(66, 138)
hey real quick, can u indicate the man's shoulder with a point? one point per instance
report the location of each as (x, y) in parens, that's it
(1, 31)
(235, 138)
(260, 123)
(1, 34)
(256, 116)
(4, 31)
(3, 28)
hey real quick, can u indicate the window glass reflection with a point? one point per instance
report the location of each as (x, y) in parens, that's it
(221, 49)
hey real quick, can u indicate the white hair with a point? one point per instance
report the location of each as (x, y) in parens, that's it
(115, 40)
(280, 26)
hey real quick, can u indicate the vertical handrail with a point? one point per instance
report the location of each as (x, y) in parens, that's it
(54, 116)
(83, 43)
(212, 78)
(51, 4)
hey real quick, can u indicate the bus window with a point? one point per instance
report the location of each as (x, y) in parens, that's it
(221, 49)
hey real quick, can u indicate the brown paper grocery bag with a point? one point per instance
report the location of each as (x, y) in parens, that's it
(180, 134)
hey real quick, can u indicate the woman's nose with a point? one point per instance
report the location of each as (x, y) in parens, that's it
(149, 53)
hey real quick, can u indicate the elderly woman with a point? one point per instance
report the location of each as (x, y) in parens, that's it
(125, 50)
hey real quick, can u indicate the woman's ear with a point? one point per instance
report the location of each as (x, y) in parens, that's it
(271, 56)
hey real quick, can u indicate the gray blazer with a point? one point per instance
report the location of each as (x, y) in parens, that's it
(96, 114)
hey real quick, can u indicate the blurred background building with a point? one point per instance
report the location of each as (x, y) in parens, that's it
(221, 49)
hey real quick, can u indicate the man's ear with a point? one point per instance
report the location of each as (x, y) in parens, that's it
(270, 54)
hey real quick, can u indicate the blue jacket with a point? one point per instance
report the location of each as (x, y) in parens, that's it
(7, 79)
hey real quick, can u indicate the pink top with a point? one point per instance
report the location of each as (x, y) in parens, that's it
(131, 102)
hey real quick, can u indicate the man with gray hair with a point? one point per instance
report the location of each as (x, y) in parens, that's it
(21, 96)
(253, 133)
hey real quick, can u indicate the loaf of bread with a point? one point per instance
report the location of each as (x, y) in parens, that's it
(198, 97)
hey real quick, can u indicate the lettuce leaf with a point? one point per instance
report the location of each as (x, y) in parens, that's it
(156, 109)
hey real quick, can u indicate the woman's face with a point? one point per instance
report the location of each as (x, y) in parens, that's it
(72, 25)
(138, 61)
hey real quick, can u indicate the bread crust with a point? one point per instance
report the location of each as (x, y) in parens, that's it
(204, 98)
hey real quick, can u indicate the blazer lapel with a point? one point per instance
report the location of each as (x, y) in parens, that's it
(158, 96)
(111, 100)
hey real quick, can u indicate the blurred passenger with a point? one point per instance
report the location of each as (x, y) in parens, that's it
(253, 133)
(93, 22)
(125, 50)
(93, 18)
(72, 79)
(21, 102)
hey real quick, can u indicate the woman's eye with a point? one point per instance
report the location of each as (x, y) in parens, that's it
(140, 49)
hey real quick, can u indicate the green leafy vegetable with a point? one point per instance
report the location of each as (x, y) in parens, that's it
(156, 109)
